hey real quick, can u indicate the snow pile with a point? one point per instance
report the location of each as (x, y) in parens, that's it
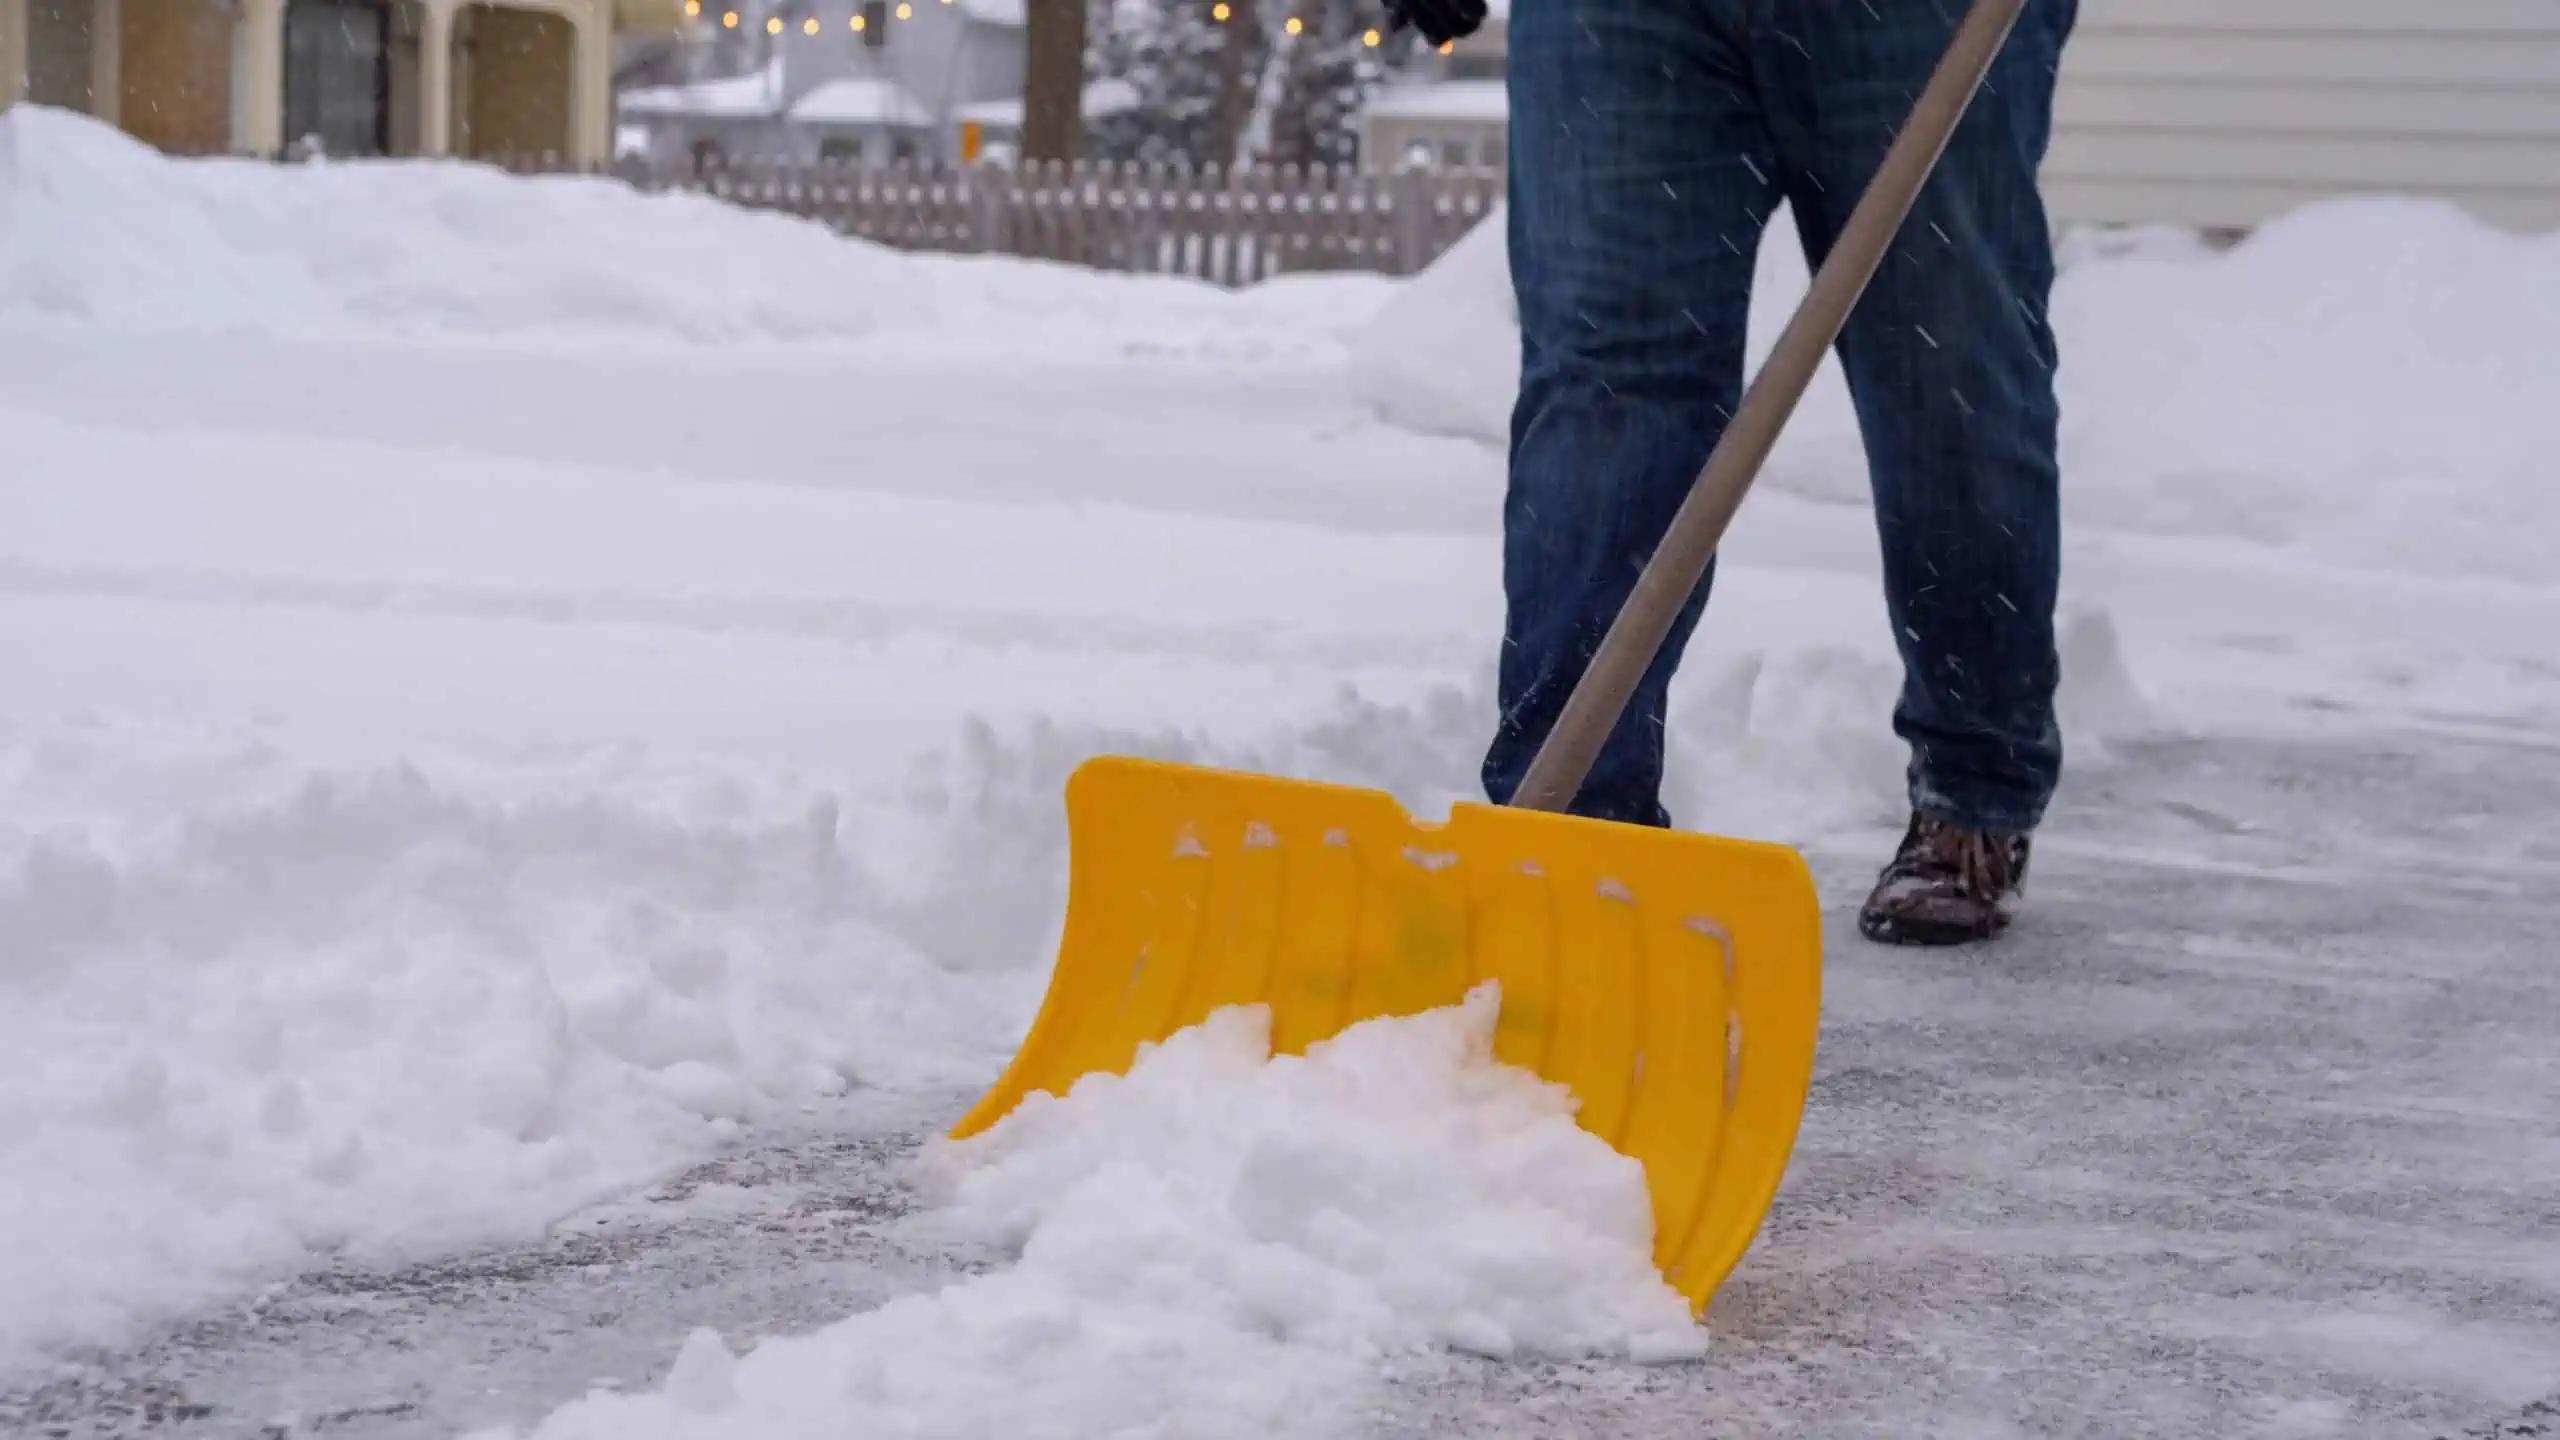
(2366, 380)
(1443, 356)
(1229, 1240)
(98, 227)
(382, 1016)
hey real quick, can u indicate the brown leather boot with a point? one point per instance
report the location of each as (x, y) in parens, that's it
(1947, 885)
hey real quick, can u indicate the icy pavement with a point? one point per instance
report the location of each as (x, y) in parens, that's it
(2253, 1129)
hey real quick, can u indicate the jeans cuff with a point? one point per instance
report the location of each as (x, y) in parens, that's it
(1974, 814)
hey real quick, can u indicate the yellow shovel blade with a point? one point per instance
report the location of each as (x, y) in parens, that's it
(1670, 981)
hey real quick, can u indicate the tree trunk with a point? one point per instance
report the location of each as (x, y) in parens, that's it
(1053, 90)
(1235, 83)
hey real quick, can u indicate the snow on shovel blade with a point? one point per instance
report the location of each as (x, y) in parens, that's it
(1670, 981)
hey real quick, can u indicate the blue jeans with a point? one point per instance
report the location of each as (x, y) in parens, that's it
(1650, 141)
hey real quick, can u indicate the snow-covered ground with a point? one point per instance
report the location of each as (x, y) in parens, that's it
(517, 687)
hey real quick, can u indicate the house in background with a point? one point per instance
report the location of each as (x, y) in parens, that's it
(2226, 113)
(1448, 110)
(2215, 113)
(346, 77)
(992, 129)
(869, 80)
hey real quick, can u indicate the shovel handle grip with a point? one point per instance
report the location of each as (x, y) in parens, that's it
(1635, 637)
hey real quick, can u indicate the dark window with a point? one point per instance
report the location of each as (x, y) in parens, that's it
(337, 75)
(875, 23)
(57, 52)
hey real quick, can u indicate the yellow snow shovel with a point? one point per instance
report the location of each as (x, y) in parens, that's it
(1671, 981)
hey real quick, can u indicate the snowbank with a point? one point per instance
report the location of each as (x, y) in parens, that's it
(1443, 356)
(379, 1016)
(98, 227)
(1226, 1241)
(2368, 381)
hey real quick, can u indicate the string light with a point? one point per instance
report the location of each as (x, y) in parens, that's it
(1296, 26)
(1448, 45)
(860, 24)
(906, 11)
(809, 26)
(1220, 12)
(729, 21)
(1371, 39)
(693, 9)
(773, 26)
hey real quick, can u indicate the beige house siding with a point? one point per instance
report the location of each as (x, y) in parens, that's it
(2224, 113)
(517, 81)
(13, 52)
(2227, 112)
(467, 76)
(176, 71)
(61, 69)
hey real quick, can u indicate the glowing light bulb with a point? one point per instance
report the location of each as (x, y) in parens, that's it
(809, 26)
(1297, 26)
(1220, 12)
(729, 20)
(1371, 39)
(773, 26)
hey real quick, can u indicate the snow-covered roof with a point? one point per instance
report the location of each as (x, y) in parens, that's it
(1102, 97)
(755, 93)
(994, 12)
(861, 100)
(1110, 97)
(1444, 100)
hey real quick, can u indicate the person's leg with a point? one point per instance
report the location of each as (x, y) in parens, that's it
(1639, 182)
(1950, 359)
